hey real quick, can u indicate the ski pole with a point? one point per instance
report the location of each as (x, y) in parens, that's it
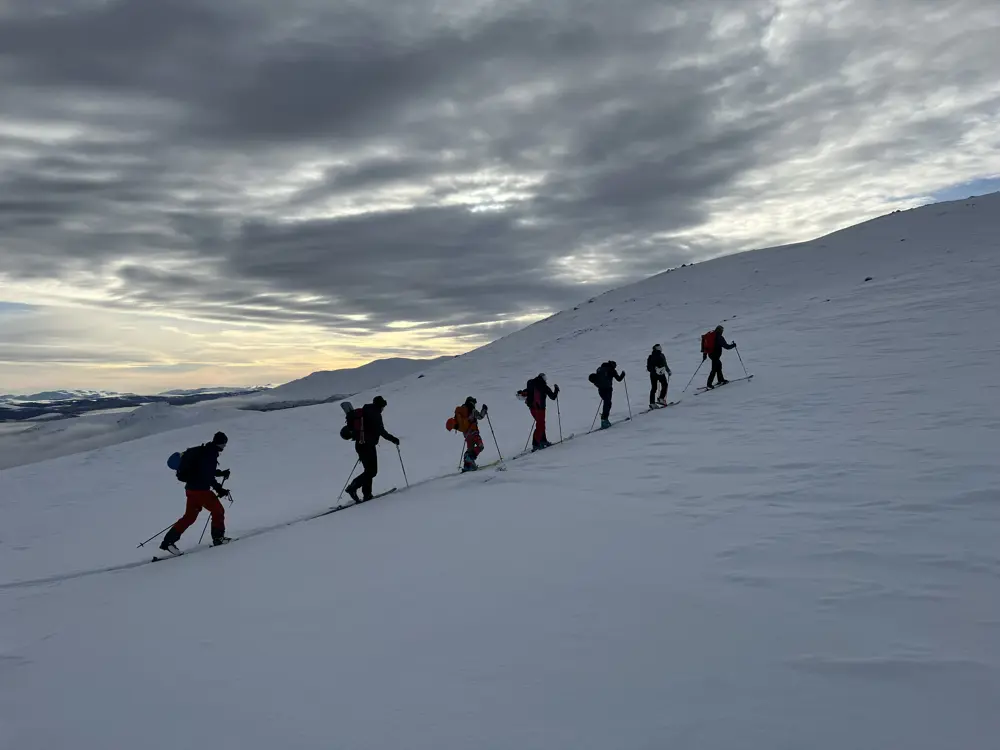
(204, 528)
(401, 466)
(599, 404)
(693, 376)
(741, 360)
(627, 401)
(461, 455)
(349, 478)
(559, 414)
(154, 536)
(494, 437)
(531, 431)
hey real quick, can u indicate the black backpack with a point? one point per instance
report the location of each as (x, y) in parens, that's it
(188, 464)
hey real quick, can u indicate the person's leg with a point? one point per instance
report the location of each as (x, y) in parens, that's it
(653, 380)
(213, 505)
(192, 508)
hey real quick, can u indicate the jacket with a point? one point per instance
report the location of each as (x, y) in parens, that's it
(374, 428)
(720, 344)
(205, 468)
(656, 360)
(606, 375)
(537, 391)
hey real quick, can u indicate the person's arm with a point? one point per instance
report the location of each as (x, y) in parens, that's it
(620, 376)
(387, 435)
(552, 394)
(726, 344)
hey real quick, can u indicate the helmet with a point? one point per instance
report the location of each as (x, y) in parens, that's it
(379, 402)
(613, 363)
(471, 400)
(657, 348)
(220, 439)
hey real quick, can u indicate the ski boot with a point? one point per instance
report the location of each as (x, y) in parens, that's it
(662, 401)
(170, 548)
(605, 424)
(353, 494)
(219, 541)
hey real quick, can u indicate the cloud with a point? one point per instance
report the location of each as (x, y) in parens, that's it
(338, 167)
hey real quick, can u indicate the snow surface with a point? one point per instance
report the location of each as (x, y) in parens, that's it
(805, 560)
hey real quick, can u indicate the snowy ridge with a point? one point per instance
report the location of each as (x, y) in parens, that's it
(805, 560)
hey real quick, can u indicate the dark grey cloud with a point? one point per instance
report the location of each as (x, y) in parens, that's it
(309, 162)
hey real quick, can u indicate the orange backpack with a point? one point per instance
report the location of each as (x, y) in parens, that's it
(460, 421)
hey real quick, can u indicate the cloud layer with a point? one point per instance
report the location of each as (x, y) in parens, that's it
(452, 169)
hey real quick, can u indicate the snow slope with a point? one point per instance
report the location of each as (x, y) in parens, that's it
(327, 384)
(808, 559)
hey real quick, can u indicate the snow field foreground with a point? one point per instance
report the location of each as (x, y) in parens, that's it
(805, 560)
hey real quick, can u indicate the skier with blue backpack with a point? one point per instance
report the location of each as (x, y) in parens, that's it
(198, 468)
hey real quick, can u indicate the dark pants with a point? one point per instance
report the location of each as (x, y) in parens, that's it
(605, 394)
(196, 500)
(716, 370)
(657, 380)
(538, 437)
(369, 462)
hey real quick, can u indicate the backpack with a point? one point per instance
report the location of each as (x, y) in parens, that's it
(461, 418)
(593, 378)
(522, 395)
(354, 427)
(708, 343)
(186, 463)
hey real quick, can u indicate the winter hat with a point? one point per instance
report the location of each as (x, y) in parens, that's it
(220, 438)
(542, 377)
(379, 401)
(657, 348)
(471, 400)
(719, 329)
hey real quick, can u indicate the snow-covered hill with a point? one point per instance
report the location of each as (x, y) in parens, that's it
(808, 559)
(328, 384)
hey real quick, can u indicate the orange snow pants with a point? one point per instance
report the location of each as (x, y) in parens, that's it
(196, 500)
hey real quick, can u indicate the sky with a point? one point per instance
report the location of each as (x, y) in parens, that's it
(236, 192)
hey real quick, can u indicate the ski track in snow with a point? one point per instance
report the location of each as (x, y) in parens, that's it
(807, 559)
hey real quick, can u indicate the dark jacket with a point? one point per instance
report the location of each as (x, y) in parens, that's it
(537, 390)
(656, 359)
(205, 468)
(373, 426)
(606, 375)
(720, 344)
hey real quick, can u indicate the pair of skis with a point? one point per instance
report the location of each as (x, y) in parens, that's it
(705, 389)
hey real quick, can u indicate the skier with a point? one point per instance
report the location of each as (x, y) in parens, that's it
(712, 344)
(535, 394)
(366, 444)
(199, 469)
(466, 421)
(604, 379)
(656, 365)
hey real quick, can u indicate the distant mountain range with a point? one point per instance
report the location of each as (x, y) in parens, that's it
(57, 404)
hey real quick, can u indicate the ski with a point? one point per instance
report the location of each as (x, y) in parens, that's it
(530, 452)
(703, 389)
(335, 508)
(660, 406)
(168, 556)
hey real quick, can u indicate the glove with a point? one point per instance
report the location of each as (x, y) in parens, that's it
(395, 441)
(733, 343)
(557, 391)
(485, 409)
(222, 492)
(668, 372)
(224, 475)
